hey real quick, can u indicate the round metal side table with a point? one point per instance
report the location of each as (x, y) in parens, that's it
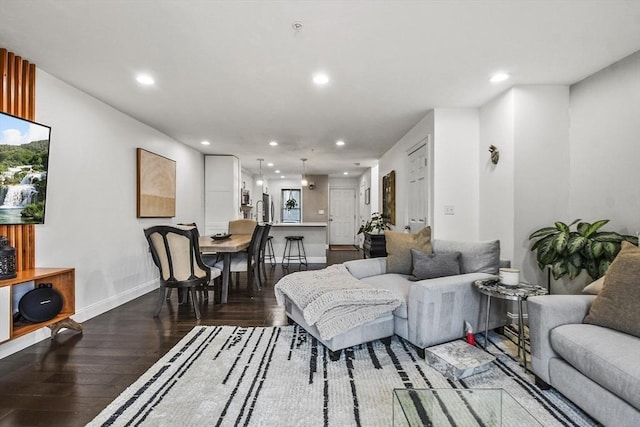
(522, 291)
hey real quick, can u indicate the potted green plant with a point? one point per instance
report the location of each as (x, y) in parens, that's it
(376, 224)
(568, 251)
(291, 204)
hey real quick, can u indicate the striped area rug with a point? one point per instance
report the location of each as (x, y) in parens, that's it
(280, 376)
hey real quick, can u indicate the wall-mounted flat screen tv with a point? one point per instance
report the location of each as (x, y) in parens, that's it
(24, 163)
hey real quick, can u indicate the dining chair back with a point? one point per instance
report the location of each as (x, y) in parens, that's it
(176, 253)
(241, 226)
(247, 261)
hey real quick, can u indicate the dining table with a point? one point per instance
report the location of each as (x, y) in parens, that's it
(225, 246)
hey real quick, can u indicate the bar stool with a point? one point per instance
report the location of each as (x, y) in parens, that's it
(269, 254)
(301, 256)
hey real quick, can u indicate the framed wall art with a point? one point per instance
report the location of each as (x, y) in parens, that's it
(389, 197)
(156, 185)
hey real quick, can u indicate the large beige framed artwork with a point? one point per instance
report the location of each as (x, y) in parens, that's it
(156, 185)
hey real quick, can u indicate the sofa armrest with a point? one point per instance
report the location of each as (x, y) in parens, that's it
(437, 309)
(545, 313)
(361, 268)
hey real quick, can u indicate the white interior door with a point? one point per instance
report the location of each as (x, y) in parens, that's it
(342, 216)
(418, 191)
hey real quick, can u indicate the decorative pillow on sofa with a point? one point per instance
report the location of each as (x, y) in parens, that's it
(594, 287)
(399, 246)
(477, 257)
(616, 306)
(430, 266)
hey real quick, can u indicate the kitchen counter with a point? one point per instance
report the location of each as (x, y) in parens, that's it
(300, 224)
(315, 239)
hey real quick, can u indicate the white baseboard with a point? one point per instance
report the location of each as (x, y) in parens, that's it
(105, 305)
(83, 315)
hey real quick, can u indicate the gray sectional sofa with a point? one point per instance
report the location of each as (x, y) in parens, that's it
(434, 310)
(595, 367)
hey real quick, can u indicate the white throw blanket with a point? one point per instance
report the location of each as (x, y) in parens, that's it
(333, 300)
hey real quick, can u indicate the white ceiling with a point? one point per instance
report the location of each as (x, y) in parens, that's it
(237, 73)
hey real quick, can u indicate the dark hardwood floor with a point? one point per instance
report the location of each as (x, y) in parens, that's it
(68, 381)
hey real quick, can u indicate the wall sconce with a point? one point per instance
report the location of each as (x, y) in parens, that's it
(495, 154)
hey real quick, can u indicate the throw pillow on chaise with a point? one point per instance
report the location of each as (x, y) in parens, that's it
(399, 247)
(431, 265)
(616, 306)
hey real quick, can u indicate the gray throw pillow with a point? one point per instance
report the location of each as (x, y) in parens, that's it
(477, 257)
(430, 266)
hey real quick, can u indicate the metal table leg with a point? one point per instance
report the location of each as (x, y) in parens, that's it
(521, 343)
(486, 322)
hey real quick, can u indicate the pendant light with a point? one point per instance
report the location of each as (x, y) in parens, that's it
(304, 181)
(260, 180)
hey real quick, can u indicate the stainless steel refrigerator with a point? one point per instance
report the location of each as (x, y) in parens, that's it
(267, 208)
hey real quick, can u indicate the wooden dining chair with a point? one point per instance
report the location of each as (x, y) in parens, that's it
(176, 253)
(263, 246)
(241, 226)
(247, 261)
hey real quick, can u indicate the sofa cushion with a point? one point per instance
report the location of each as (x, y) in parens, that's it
(616, 306)
(430, 265)
(606, 356)
(594, 287)
(399, 246)
(396, 283)
(476, 257)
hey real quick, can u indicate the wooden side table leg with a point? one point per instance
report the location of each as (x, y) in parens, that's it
(68, 323)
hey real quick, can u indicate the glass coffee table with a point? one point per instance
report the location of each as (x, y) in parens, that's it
(458, 407)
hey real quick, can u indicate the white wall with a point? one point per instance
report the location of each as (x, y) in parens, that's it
(455, 173)
(496, 184)
(542, 166)
(605, 146)
(396, 159)
(455, 158)
(364, 211)
(91, 219)
(528, 188)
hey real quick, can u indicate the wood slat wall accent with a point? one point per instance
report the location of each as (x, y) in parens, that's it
(18, 97)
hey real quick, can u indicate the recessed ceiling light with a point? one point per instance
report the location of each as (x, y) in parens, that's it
(499, 77)
(277, 171)
(205, 143)
(345, 173)
(282, 176)
(273, 143)
(145, 79)
(270, 165)
(320, 79)
(340, 143)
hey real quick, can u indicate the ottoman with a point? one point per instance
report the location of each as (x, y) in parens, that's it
(380, 328)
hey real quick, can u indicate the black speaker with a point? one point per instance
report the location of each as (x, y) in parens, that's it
(40, 304)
